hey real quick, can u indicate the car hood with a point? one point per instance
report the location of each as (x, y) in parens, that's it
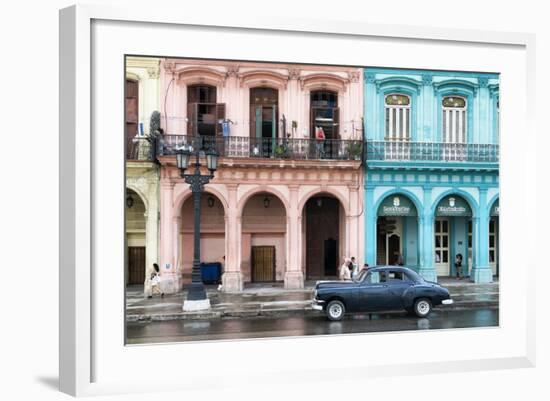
(334, 284)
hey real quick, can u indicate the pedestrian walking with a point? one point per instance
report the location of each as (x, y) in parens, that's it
(458, 265)
(155, 282)
(345, 273)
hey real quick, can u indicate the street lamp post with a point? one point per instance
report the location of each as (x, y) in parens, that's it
(196, 295)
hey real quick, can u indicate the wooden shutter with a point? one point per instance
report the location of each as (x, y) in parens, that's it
(336, 122)
(258, 122)
(220, 115)
(192, 118)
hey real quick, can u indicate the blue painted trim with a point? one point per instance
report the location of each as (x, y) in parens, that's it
(436, 165)
(458, 88)
(397, 85)
(437, 73)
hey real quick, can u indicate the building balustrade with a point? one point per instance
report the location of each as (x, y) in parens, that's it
(140, 148)
(394, 150)
(250, 147)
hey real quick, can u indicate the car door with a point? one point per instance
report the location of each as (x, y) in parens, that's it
(398, 282)
(372, 294)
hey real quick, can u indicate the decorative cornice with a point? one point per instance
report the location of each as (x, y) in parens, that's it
(170, 67)
(153, 72)
(370, 77)
(294, 73)
(483, 82)
(232, 71)
(427, 79)
(200, 74)
(324, 80)
(398, 84)
(264, 76)
(354, 76)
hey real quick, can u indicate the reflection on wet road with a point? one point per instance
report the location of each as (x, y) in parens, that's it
(230, 329)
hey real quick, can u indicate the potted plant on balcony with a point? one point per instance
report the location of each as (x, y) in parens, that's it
(280, 151)
(354, 150)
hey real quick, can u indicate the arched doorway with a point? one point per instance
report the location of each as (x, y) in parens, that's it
(323, 224)
(494, 214)
(212, 233)
(263, 238)
(397, 231)
(453, 235)
(264, 114)
(135, 238)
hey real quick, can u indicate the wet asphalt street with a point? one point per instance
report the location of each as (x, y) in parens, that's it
(230, 329)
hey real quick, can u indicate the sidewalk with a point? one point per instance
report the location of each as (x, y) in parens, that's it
(272, 300)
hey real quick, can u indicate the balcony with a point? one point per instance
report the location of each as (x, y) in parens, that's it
(431, 155)
(240, 147)
(140, 149)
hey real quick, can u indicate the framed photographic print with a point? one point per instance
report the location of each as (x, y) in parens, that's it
(287, 188)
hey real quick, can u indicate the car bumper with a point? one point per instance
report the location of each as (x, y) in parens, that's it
(447, 302)
(317, 305)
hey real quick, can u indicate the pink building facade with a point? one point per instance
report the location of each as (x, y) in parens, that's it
(286, 204)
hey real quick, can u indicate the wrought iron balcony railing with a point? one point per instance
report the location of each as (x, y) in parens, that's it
(431, 151)
(141, 148)
(283, 148)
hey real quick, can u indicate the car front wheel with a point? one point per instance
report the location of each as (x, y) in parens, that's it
(335, 310)
(422, 307)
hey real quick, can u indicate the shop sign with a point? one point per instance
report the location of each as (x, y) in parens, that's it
(453, 206)
(396, 206)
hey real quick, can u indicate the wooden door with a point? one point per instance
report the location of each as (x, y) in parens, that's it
(131, 115)
(322, 224)
(136, 265)
(263, 263)
(442, 263)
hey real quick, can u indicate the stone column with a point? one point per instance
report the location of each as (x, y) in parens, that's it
(481, 271)
(427, 260)
(353, 224)
(426, 117)
(232, 280)
(294, 277)
(371, 131)
(370, 227)
(167, 262)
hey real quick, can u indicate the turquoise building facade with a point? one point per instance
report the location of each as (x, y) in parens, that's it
(432, 171)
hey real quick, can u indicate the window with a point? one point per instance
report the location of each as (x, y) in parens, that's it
(324, 113)
(492, 240)
(203, 113)
(454, 119)
(441, 241)
(398, 117)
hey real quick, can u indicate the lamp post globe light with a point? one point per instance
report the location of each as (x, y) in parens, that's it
(196, 294)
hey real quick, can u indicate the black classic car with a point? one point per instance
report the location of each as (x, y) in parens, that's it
(380, 288)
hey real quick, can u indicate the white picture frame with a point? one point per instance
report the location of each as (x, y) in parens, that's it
(92, 362)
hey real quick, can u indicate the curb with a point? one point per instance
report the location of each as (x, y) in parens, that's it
(278, 312)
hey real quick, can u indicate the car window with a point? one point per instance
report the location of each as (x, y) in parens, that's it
(395, 275)
(376, 277)
(409, 277)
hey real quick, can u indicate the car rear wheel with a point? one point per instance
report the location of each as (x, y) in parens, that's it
(335, 310)
(422, 307)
